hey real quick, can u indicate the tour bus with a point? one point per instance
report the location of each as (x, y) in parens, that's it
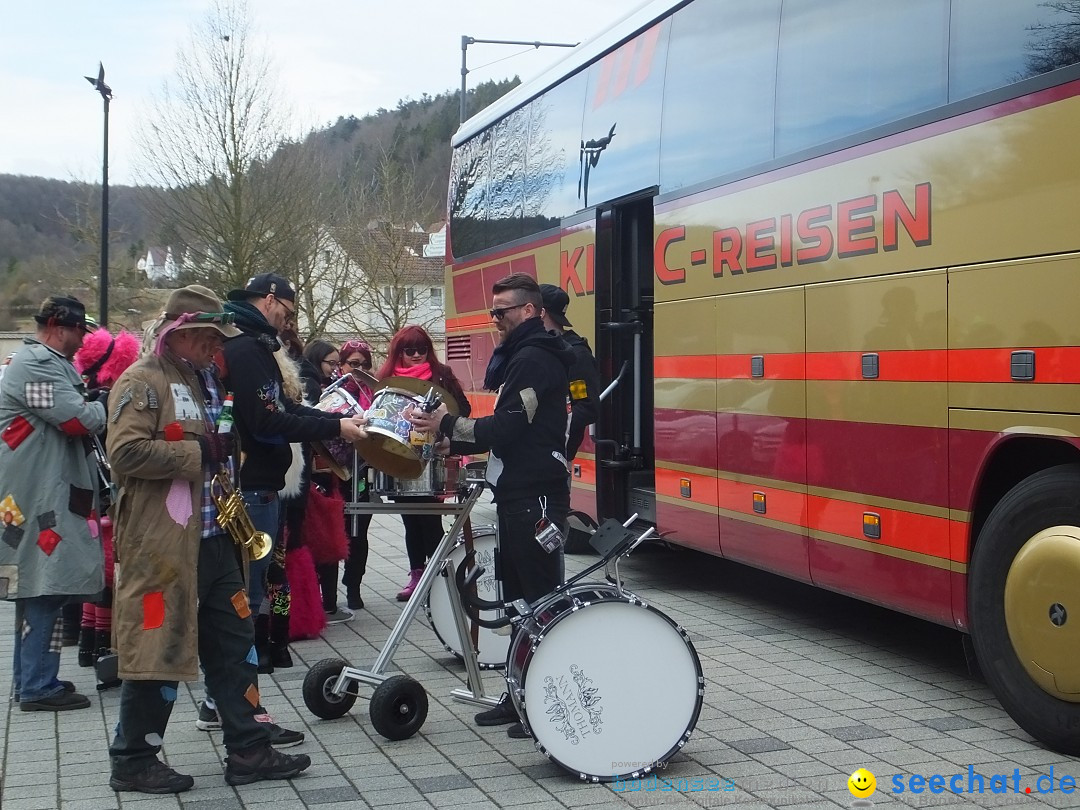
(828, 255)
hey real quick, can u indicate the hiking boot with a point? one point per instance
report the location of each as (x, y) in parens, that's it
(156, 777)
(338, 616)
(263, 763)
(280, 737)
(63, 702)
(414, 579)
(208, 718)
(500, 715)
(87, 645)
(517, 731)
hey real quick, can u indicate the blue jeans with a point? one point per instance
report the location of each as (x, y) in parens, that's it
(37, 647)
(263, 508)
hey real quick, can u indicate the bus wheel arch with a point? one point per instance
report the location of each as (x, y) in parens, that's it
(1033, 533)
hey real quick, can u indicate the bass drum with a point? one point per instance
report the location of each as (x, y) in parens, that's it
(491, 646)
(609, 686)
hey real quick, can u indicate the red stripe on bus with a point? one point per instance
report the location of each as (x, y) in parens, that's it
(930, 365)
(1053, 364)
(469, 323)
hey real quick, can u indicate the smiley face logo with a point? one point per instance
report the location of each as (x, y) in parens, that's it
(862, 784)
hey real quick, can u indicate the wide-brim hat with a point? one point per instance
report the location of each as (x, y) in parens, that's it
(64, 310)
(198, 308)
(263, 285)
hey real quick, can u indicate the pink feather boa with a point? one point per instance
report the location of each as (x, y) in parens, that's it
(306, 616)
(125, 351)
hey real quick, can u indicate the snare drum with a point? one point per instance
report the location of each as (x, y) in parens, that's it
(339, 401)
(439, 479)
(393, 446)
(609, 686)
(491, 647)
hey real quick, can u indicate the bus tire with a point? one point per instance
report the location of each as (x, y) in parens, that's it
(1035, 528)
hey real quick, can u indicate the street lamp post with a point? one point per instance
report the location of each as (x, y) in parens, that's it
(467, 41)
(103, 290)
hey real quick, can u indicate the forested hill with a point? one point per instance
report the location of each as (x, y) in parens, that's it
(50, 229)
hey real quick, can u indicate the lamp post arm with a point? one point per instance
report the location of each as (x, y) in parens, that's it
(466, 41)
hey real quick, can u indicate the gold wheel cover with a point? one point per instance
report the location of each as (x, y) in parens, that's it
(1042, 610)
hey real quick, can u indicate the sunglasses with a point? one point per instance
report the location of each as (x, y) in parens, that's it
(357, 364)
(500, 312)
(414, 351)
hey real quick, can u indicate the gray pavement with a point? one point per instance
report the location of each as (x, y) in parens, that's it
(803, 687)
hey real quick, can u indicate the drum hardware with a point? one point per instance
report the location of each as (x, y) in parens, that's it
(233, 517)
(104, 468)
(577, 684)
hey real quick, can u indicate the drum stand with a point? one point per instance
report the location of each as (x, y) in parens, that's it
(399, 704)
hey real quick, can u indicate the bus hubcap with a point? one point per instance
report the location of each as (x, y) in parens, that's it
(1042, 610)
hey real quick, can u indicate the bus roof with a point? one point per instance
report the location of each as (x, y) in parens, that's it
(578, 58)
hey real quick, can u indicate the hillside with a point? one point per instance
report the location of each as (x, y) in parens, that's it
(50, 229)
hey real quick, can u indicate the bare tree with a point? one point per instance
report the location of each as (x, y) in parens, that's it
(218, 141)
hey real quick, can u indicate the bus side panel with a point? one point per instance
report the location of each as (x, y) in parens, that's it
(760, 441)
(685, 422)
(877, 440)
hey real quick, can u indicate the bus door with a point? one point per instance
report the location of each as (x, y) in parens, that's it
(625, 459)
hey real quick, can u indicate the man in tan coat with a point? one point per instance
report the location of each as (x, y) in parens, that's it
(180, 593)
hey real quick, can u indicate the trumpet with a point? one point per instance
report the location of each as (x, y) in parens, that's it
(233, 517)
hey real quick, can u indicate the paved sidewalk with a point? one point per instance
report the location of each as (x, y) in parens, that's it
(803, 687)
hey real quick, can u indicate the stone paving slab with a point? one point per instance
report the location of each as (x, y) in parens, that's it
(802, 688)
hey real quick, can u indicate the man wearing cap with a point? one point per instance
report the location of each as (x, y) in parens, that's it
(180, 595)
(268, 421)
(51, 551)
(584, 379)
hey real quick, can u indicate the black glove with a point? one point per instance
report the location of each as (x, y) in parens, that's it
(216, 448)
(99, 395)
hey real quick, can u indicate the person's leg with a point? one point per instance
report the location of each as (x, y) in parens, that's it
(327, 574)
(145, 708)
(529, 571)
(414, 539)
(227, 645)
(356, 526)
(38, 638)
(263, 509)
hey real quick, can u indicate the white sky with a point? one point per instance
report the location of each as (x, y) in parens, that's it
(334, 57)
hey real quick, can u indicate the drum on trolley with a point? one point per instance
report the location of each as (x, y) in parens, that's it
(439, 479)
(609, 686)
(491, 646)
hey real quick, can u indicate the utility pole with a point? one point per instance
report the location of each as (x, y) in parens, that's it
(103, 279)
(467, 41)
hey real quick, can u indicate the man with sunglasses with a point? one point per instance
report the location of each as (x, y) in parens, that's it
(266, 420)
(526, 438)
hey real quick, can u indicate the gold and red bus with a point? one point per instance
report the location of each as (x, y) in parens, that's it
(830, 251)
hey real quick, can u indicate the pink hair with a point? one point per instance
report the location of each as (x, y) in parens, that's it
(125, 351)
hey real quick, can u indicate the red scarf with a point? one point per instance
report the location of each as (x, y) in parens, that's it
(421, 371)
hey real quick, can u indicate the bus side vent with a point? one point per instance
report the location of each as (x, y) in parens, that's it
(870, 366)
(757, 366)
(1022, 365)
(458, 347)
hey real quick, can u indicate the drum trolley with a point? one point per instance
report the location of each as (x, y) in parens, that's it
(399, 704)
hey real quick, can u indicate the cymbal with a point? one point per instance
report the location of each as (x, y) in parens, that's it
(420, 387)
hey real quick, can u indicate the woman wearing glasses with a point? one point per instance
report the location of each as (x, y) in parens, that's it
(412, 354)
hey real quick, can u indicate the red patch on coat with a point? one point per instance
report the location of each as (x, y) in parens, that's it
(252, 695)
(48, 540)
(16, 433)
(73, 427)
(153, 608)
(240, 604)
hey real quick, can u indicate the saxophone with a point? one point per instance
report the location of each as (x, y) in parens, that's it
(233, 517)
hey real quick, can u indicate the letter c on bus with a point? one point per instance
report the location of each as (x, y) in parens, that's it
(665, 274)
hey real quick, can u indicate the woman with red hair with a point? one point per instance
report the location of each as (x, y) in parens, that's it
(101, 360)
(412, 354)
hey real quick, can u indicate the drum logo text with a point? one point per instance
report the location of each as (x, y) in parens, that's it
(574, 705)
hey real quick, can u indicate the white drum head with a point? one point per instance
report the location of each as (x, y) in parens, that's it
(611, 689)
(491, 646)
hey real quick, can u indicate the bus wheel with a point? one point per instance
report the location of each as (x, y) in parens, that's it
(1024, 605)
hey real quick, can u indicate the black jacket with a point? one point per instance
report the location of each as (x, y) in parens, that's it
(266, 421)
(584, 391)
(526, 434)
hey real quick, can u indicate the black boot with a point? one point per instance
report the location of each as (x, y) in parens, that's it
(280, 656)
(87, 646)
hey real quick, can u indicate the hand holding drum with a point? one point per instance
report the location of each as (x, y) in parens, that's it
(352, 428)
(427, 422)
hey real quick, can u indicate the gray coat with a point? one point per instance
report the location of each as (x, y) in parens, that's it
(49, 521)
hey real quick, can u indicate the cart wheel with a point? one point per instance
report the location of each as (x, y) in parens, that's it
(398, 707)
(318, 690)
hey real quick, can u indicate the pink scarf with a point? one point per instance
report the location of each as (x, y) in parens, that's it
(422, 371)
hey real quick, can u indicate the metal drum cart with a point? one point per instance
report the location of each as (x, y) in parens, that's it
(399, 704)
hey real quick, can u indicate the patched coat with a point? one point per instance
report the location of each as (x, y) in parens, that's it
(48, 479)
(158, 518)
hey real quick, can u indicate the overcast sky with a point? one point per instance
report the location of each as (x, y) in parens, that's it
(334, 57)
